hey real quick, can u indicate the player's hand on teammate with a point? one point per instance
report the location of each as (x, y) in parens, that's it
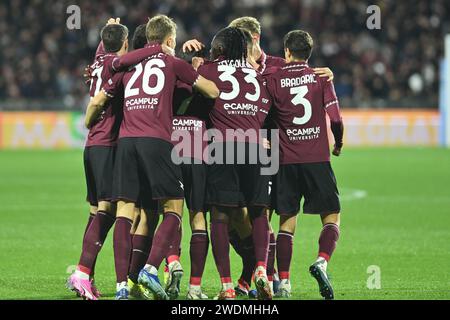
(113, 21)
(197, 62)
(266, 144)
(324, 73)
(192, 45)
(337, 150)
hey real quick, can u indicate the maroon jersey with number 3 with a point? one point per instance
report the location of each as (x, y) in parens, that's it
(148, 95)
(243, 102)
(300, 101)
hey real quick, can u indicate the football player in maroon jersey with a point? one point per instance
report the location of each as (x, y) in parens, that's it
(240, 227)
(99, 160)
(144, 150)
(301, 101)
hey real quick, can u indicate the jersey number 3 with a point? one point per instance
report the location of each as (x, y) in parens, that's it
(299, 99)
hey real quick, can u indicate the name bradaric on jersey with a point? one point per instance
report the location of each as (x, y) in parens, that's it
(298, 81)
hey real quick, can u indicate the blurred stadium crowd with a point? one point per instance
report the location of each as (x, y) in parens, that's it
(42, 62)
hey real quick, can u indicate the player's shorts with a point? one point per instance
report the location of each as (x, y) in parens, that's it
(315, 182)
(98, 169)
(144, 167)
(237, 185)
(194, 180)
(145, 200)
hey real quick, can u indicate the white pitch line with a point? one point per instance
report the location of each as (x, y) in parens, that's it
(347, 194)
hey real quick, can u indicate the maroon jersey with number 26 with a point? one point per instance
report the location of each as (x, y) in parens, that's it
(148, 95)
(301, 100)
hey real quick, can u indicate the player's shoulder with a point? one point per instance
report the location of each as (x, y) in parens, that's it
(275, 61)
(208, 67)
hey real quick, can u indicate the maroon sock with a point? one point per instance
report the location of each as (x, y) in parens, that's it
(284, 253)
(94, 238)
(271, 257)
(122, 247)
(327, 241)
(141, 249)
(198, 252)
(91, 217)
(260, 236)
(221, 249)
(175, 248)
(245, 249)
(163, 238)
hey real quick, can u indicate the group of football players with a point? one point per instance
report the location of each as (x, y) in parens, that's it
(145, 100)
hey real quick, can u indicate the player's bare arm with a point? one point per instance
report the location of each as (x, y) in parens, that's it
(207, 87)
(94, 108)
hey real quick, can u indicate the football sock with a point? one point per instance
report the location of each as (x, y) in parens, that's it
(163, 238)
(141, 249)
(174, 248)
(91, 217)
(221, 249)
(327, 240)
(246, 250)
(198, 252)
(284, 253)
(260, 234)
(94, 238)
(271, 256)
(122, 247)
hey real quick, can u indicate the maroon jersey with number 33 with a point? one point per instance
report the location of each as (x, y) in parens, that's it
(243, 103)
(301, 100)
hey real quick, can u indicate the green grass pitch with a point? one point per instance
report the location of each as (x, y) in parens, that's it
(396, 216)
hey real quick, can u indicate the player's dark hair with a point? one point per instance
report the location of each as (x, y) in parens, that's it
(230, 43)
(113, 36)
(299, 43)
(139, 37)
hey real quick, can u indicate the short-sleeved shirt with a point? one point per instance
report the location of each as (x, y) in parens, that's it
(148, 95)
(300, 99)
(243, 103)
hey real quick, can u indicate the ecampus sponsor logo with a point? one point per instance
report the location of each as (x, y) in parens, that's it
(303, 133)
(241, 108)
(187, 124)
(141, 103)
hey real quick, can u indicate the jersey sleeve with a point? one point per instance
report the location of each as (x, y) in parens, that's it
(332, 108)
(184, 71)
(134, 57)
(329, 94)
(114, 85)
